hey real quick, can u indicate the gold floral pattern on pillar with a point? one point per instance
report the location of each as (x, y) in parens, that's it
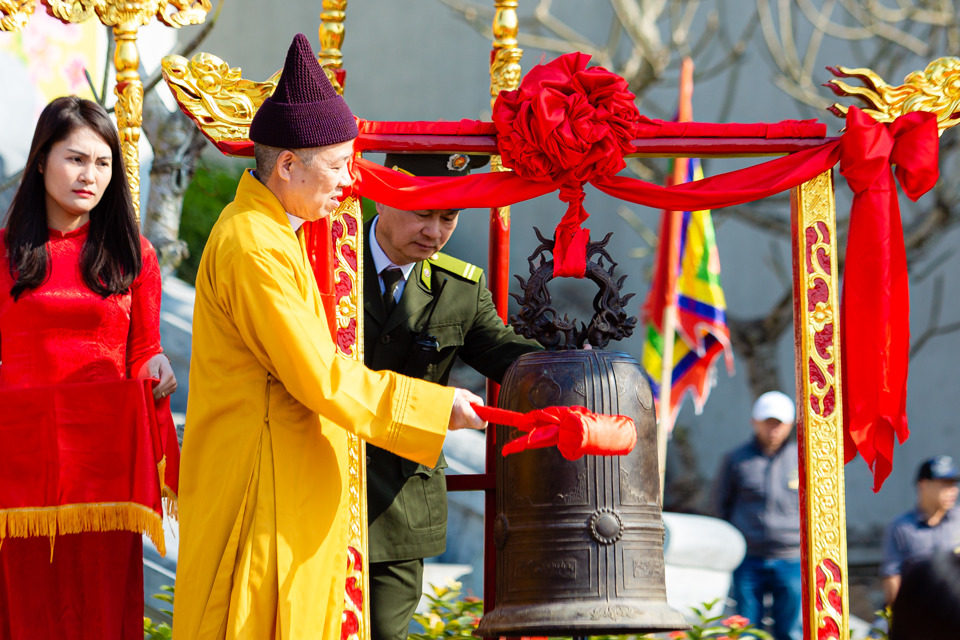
(819, 419)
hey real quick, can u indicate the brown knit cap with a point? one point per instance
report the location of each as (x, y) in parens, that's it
(305, 110)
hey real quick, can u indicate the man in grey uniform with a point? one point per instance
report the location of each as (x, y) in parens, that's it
(933, 526)
(757, 492)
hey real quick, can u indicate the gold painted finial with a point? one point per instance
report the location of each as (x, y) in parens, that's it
(935, 89)
(505, 69)
(331, 34)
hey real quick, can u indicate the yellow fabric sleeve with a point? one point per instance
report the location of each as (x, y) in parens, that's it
(292, 341)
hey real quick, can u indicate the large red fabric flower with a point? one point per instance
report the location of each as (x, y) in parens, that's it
(566, 125)
(566, 122)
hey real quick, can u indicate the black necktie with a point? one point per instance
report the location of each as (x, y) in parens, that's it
(391, 279)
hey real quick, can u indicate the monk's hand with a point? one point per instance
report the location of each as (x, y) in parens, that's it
(158, 367)
(463, 416)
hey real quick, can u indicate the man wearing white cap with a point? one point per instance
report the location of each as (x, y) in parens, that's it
(756, 491)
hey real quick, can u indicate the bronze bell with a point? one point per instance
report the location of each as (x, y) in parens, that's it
(579, 543)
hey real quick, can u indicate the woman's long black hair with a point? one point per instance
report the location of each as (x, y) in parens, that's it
(110, 260)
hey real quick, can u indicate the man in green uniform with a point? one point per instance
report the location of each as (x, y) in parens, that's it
(422, 310)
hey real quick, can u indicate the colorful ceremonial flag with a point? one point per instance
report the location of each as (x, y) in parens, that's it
(700, 334)
(685, 312)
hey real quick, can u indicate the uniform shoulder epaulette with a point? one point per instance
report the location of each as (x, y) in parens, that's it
(452, 265)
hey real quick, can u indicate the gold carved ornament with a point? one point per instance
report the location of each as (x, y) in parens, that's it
(935, 89)
(215, 95)
(14, 14)
(173, 13)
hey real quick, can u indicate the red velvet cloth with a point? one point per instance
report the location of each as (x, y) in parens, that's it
(575, 431)
(483, 190)
(97, 443)
(74, 430)
(438, 128)
(646, 128)
(875, 310)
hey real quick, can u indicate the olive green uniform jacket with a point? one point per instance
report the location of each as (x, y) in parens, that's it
(407, 501)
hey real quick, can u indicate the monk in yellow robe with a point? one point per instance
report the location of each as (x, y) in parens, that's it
(263, 482)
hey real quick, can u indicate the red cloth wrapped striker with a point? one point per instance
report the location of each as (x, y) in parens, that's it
(575, 431)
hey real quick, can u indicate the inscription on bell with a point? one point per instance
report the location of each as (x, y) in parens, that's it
(558, 569)
(647, 568)
(545, 393)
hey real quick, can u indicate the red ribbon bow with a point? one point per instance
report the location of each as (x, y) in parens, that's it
(575, 431)
(875, 309)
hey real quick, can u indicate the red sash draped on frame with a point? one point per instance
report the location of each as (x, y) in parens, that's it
(875, 359)
(97, 456)
(876, 295)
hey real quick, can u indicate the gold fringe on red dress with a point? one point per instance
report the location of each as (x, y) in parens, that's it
(170, 503)
(79, 518)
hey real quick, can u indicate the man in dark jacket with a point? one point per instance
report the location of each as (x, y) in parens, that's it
(757, 492)
(422, 310)
(933, 526)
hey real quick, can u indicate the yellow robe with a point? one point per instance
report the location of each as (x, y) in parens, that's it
(263, 475)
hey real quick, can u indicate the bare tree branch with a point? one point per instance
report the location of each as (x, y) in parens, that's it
(934, 328)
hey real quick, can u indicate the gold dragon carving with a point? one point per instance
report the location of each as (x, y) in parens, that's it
(819, 395)
(215, 95)
(935, 89)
